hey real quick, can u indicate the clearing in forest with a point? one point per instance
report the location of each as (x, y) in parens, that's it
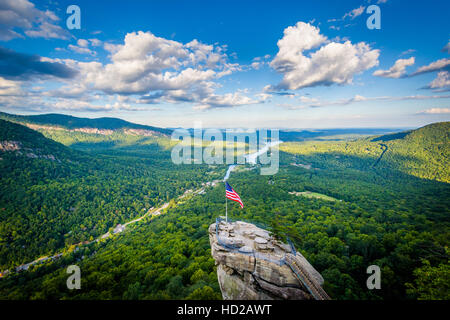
(315, 195)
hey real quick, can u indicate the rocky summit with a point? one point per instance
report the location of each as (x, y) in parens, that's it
(253, 265)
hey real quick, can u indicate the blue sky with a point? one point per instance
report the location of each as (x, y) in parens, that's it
(290, 64)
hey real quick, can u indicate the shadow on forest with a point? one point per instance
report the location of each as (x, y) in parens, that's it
(389, 168)
(390, 137)
(141, 145)
(385, 182)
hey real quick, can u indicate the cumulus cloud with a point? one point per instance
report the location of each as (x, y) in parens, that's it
(331, 63)
(21, 66)
(146, 63)
(143, 69)
(397, 70)
(22, 15)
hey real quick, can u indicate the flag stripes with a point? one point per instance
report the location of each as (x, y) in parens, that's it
(232, 195)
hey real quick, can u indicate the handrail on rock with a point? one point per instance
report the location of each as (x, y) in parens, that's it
(289, 259)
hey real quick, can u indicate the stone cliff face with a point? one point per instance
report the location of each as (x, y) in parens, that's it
(251, 265)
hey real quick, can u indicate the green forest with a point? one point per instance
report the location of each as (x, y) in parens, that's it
(386, 201)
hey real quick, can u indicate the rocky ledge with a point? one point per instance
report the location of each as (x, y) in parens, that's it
(250, 264)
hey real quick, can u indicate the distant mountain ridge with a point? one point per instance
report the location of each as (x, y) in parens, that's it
(71, 122)
(439, 131)
(422, 152)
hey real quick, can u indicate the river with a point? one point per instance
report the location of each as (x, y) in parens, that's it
(252, 157)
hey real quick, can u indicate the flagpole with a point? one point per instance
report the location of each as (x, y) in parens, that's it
(226, 210)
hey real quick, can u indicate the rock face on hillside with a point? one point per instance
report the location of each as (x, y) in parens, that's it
(250, 264)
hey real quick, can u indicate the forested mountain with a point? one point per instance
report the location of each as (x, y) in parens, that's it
(424, 152)
(332, 134)
(52, 196)
(24, 139)
(381, 200)
(70, 122)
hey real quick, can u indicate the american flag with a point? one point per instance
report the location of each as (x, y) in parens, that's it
(232, 195)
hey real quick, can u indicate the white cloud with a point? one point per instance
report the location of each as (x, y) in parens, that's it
(22, 15)
(308, 102)
(147, 69)
(259, 62)
(397, 70)
(351, 14)
(435, 111)
(147, 63)
(406, 52)
(439, 65)
(71, 99)
(81, 50)
(291, 106)
(263, 96)
(441, 83)
(224, 101)
(256, 65)
(83, 43)
(69, 91)
(10, 88)
(82, 46)
(354, 13)
(95, 42)
(332, 63)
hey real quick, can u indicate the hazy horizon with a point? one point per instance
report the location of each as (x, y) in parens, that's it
(234, 64)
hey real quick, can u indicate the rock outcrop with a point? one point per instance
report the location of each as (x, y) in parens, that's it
(251, 264)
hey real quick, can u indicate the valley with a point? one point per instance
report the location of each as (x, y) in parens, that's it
(394, 213)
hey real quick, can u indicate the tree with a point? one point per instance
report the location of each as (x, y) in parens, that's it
(431, 283)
